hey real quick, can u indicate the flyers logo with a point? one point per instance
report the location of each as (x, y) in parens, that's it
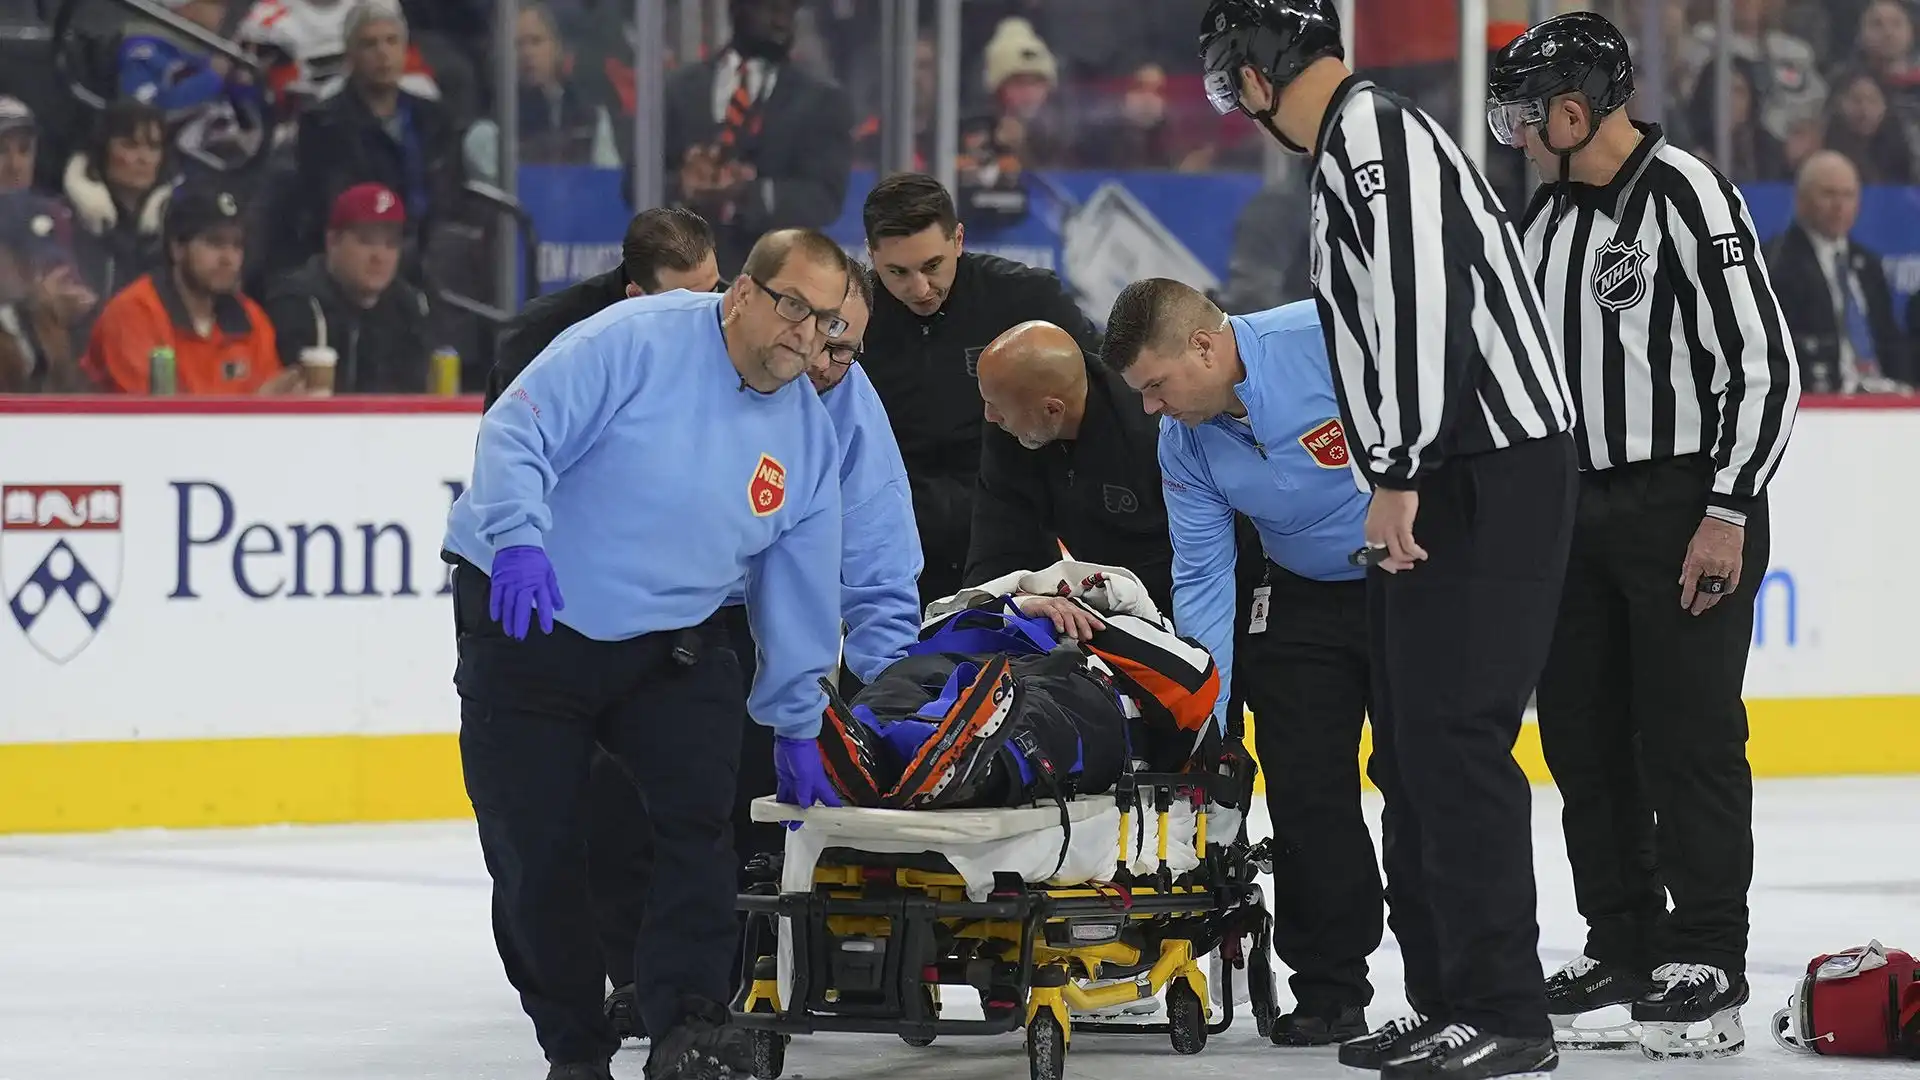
(1326, 443)
(767, 491)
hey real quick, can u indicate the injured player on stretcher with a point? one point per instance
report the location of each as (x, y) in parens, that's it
(996, 707)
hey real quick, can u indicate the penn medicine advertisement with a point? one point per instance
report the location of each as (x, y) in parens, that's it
(210, 577)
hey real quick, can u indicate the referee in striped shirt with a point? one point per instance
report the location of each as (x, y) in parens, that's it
(1685, 387)
(1457, 412)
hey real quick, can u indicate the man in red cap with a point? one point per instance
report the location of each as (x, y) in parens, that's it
(352, 302)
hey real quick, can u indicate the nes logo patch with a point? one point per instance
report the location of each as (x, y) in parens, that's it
(767, 491)
(1326, 443)
(1619, 275)
(60, 562)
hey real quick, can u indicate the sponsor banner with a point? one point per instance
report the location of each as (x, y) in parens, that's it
(217, 576)
(195, 577)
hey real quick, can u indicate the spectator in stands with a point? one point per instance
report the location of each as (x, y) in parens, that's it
(304, 44)
(222, 342)
(214, 113)
(1784, 71)
(118, 189)
(374, 131)
(1879, 140)
(1885, 47)
(352, 300)
(1134, 132)
(42, 298)
(19, 144)
(1833, 289)
(752, 142)
(1021, 75)
(560, 124)
(1757, 155)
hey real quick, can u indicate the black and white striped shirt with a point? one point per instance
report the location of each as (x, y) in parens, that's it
(1436, 335)
(1673, 339)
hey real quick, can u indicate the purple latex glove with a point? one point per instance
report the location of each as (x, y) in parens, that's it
(523, 581)
(802, 775)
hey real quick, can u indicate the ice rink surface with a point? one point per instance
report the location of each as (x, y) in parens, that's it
(364, 952)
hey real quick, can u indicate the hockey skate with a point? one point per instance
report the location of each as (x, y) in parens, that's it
(1395, 1038)
(1464, 1052)
(1687, 996)
(1586, 986)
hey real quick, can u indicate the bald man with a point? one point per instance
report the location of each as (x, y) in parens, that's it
(1069, 456)
(1833, 289)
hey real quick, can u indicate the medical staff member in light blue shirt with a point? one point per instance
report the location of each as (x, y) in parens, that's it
(648, 461)
(880, 565)
(1249, 424)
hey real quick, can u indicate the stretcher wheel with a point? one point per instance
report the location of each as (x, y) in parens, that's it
(769, 1048)
(1186, 1018)
(1046, 1047)
(932, 1005)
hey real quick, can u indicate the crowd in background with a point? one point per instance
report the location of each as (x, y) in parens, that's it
(344, 155)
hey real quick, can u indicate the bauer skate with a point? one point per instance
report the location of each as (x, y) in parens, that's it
(1464, 1052)
(1685, 997)
(1585, 986)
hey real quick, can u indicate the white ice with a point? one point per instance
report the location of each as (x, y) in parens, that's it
(365, 952)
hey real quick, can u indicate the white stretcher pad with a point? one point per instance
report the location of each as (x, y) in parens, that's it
(980, 843)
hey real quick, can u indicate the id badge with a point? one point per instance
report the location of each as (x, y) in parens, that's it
(1257, 622)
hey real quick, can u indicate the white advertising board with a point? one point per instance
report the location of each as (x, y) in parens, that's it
(198, 576)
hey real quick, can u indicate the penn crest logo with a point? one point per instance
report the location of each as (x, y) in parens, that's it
(1619, 275)
(60, 562)
(767, 491)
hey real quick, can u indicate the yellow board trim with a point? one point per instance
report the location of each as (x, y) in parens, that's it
(93, 786)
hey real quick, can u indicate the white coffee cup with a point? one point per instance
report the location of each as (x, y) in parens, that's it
(317, 363)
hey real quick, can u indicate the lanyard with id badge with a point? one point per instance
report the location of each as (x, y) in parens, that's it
(1262, 602)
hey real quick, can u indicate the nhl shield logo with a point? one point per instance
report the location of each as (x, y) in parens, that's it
(1619, 275)
(767, 491)
(60, 562)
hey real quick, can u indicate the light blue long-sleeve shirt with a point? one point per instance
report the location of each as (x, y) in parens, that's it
(1285, 466)
(630, 450)
(880, 558)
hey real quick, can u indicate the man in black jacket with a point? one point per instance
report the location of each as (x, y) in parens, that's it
(1069, 456)
(353, 301)
(937, 309)
(666, 248)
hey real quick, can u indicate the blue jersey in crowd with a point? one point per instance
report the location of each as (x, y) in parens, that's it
(656, 481)
(880, 557)
(1286, 466)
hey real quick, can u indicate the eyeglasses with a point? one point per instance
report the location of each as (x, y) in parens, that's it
(843, 355)
(793, 309)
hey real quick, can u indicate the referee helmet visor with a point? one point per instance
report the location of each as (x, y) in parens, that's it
(1277, 38)
(1510, 120)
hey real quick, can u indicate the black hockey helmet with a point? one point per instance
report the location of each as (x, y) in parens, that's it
(1577, 53)
(1277, 38)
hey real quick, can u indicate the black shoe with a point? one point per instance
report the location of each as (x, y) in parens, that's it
(1392, 1039)
(1687, 994)
(580, 1071)
(1303, 1028)
(1464, 1052)
(704, 1045)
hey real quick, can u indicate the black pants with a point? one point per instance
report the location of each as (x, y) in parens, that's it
(530, 714)
(1457, 644)
(1306, 678)
(620, 846)
(1641, 718)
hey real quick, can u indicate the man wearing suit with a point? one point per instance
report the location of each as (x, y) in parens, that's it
(1833, 290)
(754, 143)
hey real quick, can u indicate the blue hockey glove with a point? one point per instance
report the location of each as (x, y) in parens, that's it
(522, 581)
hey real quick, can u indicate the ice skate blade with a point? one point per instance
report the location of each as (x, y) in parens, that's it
(1568, 1035)
(1725, 1037)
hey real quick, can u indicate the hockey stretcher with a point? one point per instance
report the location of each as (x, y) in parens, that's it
(877, 910)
